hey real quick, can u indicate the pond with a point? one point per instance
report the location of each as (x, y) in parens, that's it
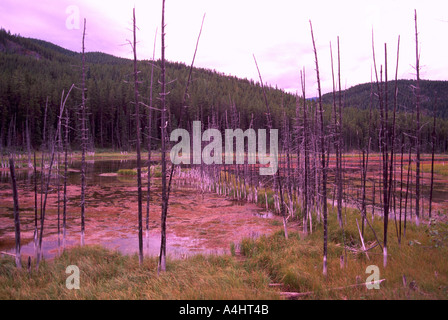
(197, 222)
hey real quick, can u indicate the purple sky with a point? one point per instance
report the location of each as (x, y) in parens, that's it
(277, 32)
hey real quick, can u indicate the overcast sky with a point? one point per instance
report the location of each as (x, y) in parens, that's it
(277, 32)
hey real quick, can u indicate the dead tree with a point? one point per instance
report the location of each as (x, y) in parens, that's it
(383, 143)
(47, 184)
(401, 186)
(58, 177)
(306, 155)
(337, 145)
(322, 155)
(417, 141)
(340, 138)
(148, 195)
(365, 166)
(16, 211)
(392, 139)
(83, 137)
(138, 134)
(163, 124)
(433, 136)
(64, 210)
(277, 179)
(184, 101)
(409, 176)
(28, 142)
(35, 235)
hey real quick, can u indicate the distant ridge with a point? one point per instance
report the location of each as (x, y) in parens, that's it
(432, 92)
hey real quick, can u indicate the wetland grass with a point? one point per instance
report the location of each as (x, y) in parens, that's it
(251, 269)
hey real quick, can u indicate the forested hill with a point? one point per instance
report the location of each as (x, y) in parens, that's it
(433, 94)
(34, 70)
(35, 73)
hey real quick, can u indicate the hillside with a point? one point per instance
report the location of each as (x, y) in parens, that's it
(34, 70)
(34, 73)
(432, 92)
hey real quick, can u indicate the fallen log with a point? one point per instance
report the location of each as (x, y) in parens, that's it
(7, 254)
(295, 295)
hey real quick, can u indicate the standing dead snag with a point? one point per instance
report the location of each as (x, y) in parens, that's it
(322, 154)
(269, 122)
(383, 143)
(392, 139)
(337, 136)
(306, 152)
(16, 210)
(163, 124)
(64, 211)
(148, 195)
(28, 141)
(417, 142)
(183, 105)
(139, 164)
(433, 136)
(83, 137)
(36, 232)
(47, 185)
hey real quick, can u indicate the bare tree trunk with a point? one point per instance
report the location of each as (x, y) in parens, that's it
(306, 151)
(139, 164)
(167, 188)
(47, 185)
(366, 165)
(163, 123)
(383, 143)
(433, 136)
(42, 176)
(28, 143)
(341, 140)
(184, 100)
(269, 120)
(36, 232)
(407, 190)
(148, 196)
(83, 138)
(323, 162)
(58, 188)
(336, 144)
(392, 140)
(385, 138)
(16, 211)
(417, 142)
(64, 210)
(401, 186)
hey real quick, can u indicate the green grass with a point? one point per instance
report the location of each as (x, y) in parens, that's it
(439, 168)
(108, 275)
(295, 263)
(127, 172)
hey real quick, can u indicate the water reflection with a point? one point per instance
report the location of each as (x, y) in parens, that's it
(177, 247)
(111, 214)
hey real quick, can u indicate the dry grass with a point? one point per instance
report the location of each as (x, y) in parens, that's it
(110, 275)
(295, 263)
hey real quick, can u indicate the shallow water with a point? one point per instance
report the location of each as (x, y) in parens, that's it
(197, 222)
